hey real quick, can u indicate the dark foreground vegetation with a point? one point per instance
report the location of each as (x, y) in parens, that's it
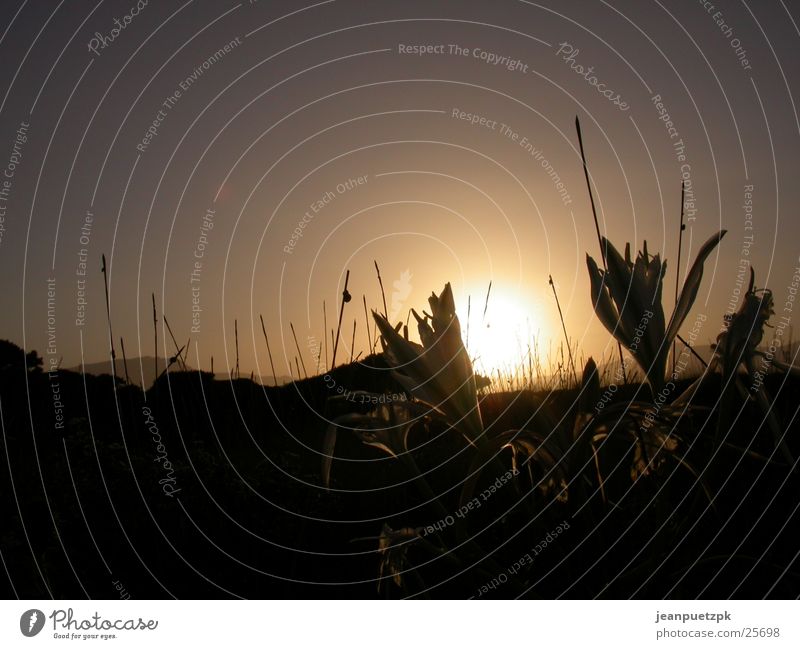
(199, 488)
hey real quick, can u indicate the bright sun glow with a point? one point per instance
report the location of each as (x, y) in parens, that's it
(500, 340)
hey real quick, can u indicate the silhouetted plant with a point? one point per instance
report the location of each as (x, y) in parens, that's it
(627, 300)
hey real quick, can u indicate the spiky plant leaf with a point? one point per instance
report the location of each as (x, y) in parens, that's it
(603, 304)
(385, 427)
(690, 287)
(590, 387)
(627, 300)
(439, 372)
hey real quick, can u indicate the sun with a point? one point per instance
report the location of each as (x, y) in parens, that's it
(501, 340)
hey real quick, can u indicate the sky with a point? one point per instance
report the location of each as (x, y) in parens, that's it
(237, 160)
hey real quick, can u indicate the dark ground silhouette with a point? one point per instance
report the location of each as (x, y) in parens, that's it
(231, 503)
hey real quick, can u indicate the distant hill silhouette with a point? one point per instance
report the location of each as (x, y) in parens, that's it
(145, 365)
(693, 367)
(263, 379)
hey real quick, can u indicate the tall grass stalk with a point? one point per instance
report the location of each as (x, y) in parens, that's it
(297, 346)
(178, 350)
(325, 332)
(236, 340)
(124, 360)
(269, 351)
(353, 342)
(564, 327)
(155, 338)
(597, 226)
(678, 265)
(366, 320)
(383, 293)
(345, 300)
(108, 315)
